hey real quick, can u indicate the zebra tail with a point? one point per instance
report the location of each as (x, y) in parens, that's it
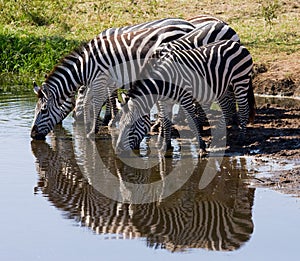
(251, 102)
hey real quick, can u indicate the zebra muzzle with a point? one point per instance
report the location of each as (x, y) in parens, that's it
(35, 134)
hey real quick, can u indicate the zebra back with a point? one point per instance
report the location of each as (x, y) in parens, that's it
(212, 32)
(202, 20)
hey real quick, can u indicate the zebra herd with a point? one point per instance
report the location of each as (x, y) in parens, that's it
(192, 62)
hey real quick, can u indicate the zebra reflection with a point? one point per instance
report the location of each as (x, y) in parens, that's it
(217, 218)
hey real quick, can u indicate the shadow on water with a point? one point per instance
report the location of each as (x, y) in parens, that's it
(218, 217)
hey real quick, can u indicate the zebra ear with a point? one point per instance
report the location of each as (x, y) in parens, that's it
(44, 92)
(36, 88)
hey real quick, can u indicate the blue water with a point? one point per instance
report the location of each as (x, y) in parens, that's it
(44, 217)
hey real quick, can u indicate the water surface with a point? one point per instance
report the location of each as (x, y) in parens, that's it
(52, 207)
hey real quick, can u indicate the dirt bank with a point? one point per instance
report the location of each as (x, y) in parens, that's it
(275, 135)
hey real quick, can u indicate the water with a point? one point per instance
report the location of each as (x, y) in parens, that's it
(52, 207)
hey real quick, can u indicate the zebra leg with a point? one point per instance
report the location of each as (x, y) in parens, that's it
(165, 109)
(200, 113)
(88, 108)
(78, 112)
(243, 114)
(142, 127)
(111, 108)
(228, 106)
(232, 107)
(189, 109)
(98, 101)
(107, 116)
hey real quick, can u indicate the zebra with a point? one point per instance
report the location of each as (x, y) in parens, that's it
(211, 32)
(116, 58)
(199, 21)
(203, 74)
(111, 109)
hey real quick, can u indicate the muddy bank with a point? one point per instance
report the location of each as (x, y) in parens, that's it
(274, 141)
(275, 135)
(280, 78)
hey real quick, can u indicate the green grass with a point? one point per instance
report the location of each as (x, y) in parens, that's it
(35, 35)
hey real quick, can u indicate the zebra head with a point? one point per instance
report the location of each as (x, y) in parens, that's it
(131, 127)
(48, 111)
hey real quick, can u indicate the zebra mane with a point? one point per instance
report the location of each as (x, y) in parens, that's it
(64, 61)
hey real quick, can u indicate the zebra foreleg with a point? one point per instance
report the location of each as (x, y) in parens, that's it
(228, 106)
(200, 114)
(189, 110)
(164, 138)
(97, 105)
(111, 108)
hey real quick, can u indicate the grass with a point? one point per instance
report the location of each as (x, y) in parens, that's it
(34, 35)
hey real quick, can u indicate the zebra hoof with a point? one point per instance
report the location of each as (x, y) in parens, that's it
(202, 153)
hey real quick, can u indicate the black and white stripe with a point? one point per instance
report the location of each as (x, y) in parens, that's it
(211, 31)
(110, 103)
(200, 21)
(114, 60)
(203, 20)
(203, 74)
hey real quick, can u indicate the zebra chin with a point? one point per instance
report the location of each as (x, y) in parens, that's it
(36, 135)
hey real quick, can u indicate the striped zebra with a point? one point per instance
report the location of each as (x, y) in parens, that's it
(211, 32)
(218, 218)
(116, 60)
(203, 74)
(111, 109)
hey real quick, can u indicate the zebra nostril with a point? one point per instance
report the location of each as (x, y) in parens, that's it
(35, 134)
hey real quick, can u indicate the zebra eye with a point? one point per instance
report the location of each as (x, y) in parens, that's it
(44, 107)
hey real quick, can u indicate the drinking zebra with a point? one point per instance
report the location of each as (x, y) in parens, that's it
(82, 102)
(211, 32)
(115, 59)
(199, 21)
(203, 74)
